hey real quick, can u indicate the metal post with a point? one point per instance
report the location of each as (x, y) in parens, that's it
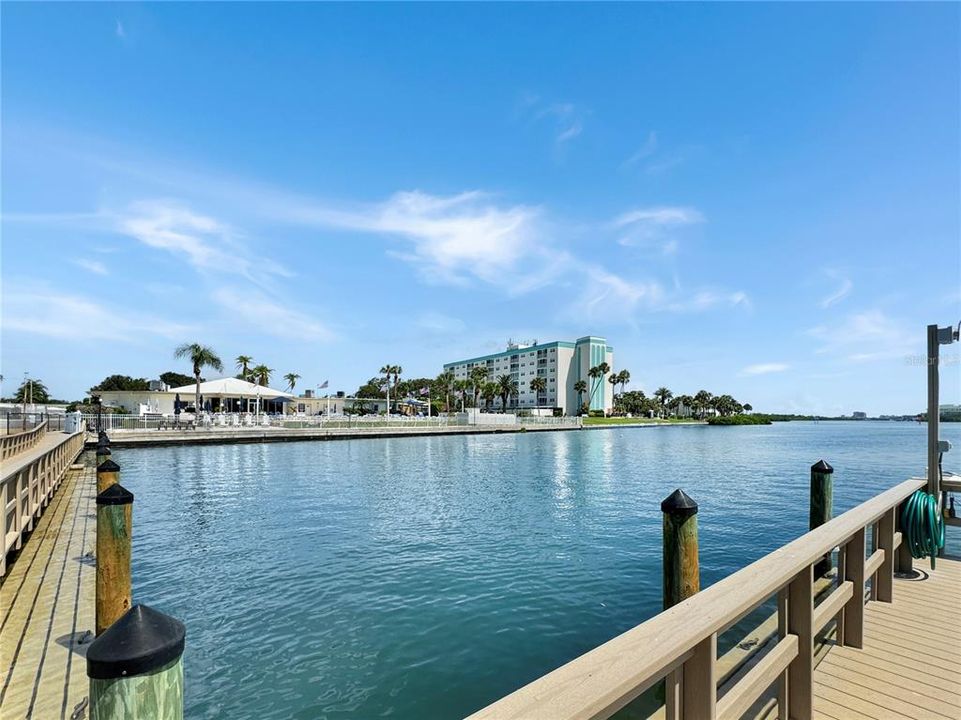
(136, 668)
(934, 417)
(822, 500)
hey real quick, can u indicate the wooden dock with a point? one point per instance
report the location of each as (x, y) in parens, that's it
(47, 606)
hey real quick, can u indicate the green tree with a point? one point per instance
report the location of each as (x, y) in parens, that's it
(596, 374)
(663, 396)
(478, 375)
(122, 382)
(260, 374)
(507, 386)
(32, 391)
(538, 385)
(176, 379)
(200, 356)
(623, 378)
(445, 383)
(291, 379)
(614, 379)
(702, 401)
(748, 408)
(580, 387)
(373, 388)
(243, 364)
(489, 392)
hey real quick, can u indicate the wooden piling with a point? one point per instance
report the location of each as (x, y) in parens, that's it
(136, 668)
(114, 526)
(822, 507)
(681, 580)
(682, 577)
(103, 454)
(108, 473)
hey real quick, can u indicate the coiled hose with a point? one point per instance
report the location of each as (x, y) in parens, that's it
(922, 526)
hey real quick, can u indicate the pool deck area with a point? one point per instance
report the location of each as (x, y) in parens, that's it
(47, 605)
(909, 665)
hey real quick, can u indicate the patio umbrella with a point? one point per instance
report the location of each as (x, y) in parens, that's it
(177, 404)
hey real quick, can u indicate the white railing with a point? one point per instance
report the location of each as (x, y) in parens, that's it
(28, 483)
(115, 422)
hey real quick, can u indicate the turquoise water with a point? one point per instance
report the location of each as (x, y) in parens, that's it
(426, 577)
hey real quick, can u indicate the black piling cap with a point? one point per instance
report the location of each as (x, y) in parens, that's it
(108, 466)
(116, 494)
(102, 435)
(821, 467)
(103, 450)
(141, 641)
(679, 503)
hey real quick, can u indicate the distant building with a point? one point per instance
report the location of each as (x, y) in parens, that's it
(560, 363)
(858, 415)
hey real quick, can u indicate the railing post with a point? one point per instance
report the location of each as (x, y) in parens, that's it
(699, 682)
(854, 609)
(821, 507)
(108, 474)
(883, 584)
(136, 668)
(114, 526)
(681, 580)
(800, 622)
(904, 563)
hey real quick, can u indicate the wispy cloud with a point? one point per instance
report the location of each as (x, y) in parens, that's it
(653, 225)
(604, 290)
(863, 336)
(452, 239)
(204, 242)
(566, 117)
(765, 368)
(67, 316)
(119, 30)
(94, 266)
(843, 289)
(440, 324)
(258, 311)
(645, 151)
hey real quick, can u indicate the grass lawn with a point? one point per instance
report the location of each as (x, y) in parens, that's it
(635, 421)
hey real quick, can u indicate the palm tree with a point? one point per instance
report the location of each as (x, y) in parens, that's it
(748, 408)
(580, 387)
(243, 364)
(623, 378)
(613, 379)
(489, 392)
(445, 380)
(291, 379)
(478, 375)
(387, 370)
(200, 356)
(398, 370)
(261, 374)
(702, 401)
(595, 373)
(507, 387)
(538, 385)
(663, 396)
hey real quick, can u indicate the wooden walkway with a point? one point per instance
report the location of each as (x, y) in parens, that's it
(47, 607)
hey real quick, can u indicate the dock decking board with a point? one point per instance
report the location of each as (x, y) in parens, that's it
(47, 602)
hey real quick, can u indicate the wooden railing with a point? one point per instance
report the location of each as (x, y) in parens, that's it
(11, 445)
(27, 484)
(679, 645)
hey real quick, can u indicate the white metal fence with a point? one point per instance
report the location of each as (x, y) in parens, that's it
(115, 422)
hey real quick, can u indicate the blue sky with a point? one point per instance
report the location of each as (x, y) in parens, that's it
(755, 199)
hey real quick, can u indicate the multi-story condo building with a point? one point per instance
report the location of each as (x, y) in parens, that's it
(560, 363)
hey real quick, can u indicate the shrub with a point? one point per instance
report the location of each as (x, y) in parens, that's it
(739, 420)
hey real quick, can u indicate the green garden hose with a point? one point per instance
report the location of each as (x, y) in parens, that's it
(922, 526)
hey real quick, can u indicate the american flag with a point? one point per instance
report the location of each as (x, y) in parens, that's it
(321, 387)
(424, 390)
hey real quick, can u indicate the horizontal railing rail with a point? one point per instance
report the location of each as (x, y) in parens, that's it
(18, 442)
(27, 485)
(680, 644)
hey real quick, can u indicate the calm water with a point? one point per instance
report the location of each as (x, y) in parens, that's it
(425, 577)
